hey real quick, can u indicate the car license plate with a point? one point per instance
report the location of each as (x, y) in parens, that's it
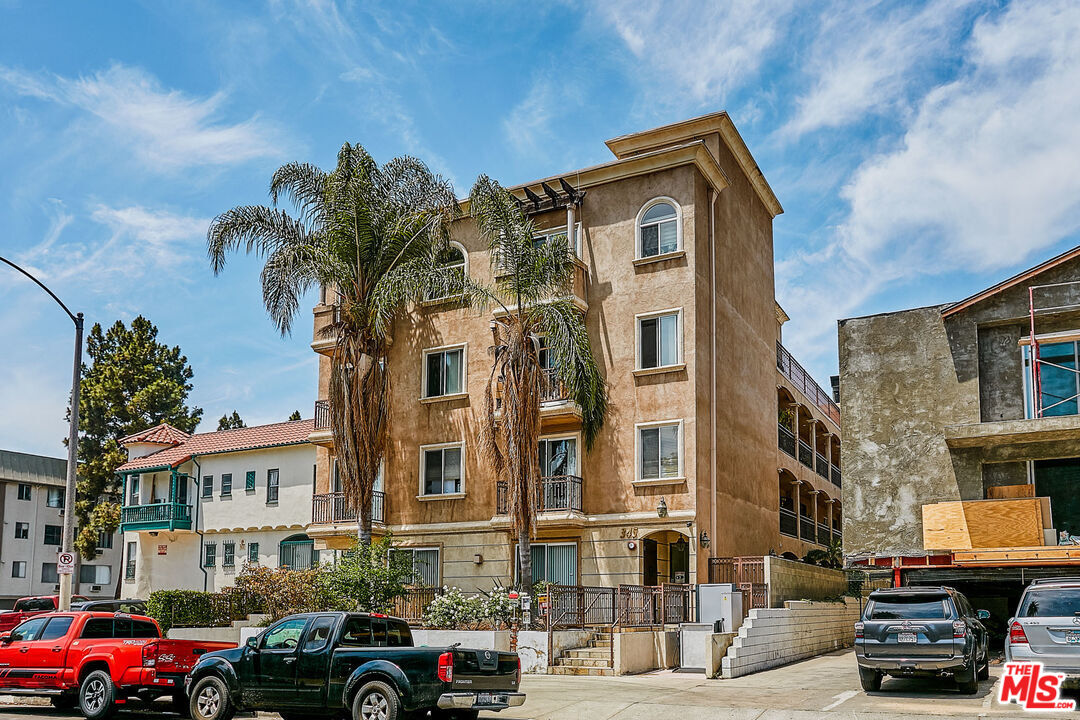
(483, 699)
(907, 637)
(1072, 637)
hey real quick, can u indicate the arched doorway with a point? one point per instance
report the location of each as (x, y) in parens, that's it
(665, 558)
(297, 552)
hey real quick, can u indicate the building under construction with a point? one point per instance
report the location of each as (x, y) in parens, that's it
(961, 437)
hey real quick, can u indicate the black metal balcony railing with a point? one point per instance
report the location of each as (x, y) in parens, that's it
(551, 390)
(806, 454)
(801, 379)
(557, 492)
(822, 466)
(806, 528)
(331, 508)
(156, 513)
(836, 476)
(786, 439)
(788, 523)
(322, 415)
(823, 534)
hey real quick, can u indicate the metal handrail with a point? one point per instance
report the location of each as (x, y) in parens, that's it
(322, 414)
(793, 371)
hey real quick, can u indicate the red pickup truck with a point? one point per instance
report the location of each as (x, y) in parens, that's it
(27, 607)
(97, 661)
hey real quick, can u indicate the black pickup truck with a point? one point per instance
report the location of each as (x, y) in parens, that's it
(358, 665)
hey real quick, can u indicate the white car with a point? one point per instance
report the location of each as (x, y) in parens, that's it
(1046, 627)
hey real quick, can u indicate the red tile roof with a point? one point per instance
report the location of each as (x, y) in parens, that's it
(249, 438)
(163, 434)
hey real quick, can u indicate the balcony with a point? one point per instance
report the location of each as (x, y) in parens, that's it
(790, 368)
(325, 315)
(558, 493)
(822, 465)
(331, 509)
(321, 433)
(823, 534)
(786, 440)
(789, 524)
(835, 475)
(556, 405)
(806, 528)
(806, 454)
(576, 290)
(155, 516)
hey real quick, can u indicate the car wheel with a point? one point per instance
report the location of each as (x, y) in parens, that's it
(210, 700)
(869, 679)
(376, 701)
(967, 679)
(97, 696)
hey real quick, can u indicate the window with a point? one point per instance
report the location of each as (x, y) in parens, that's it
(441, 470)
(49, 574)
(660, 451)
(425, 564)
(558, 456)
(22, 531)
(29, 630)
(658, 340)
(208, 486)
(444, 372)
(18, 569)
(297, 552)
(57, 628)
(209, 554)
(229, 555)
(1058, 376)
(454, 259)
(271, 486)
(357, 632)
(551, 562)
(1050, 602)
(134, 489)
(658, 229)
(95, 574)
(285, 635)
(55, 497)
(129, 569)
(105, 540)
(545, 236)
(226, 484)
(53, 534)
(249, 481)
(319, 634)
(253, 552)
(24, 491)
(907, 608)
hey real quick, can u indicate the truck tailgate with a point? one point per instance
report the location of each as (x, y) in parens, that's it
(179, 656)
(485, 670)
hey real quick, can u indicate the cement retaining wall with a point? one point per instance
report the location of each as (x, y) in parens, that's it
(793, 580)
(777, 636)
(637, 652)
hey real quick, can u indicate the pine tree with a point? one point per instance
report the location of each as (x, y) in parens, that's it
(230, 422)
(133, 382)
(295, 416)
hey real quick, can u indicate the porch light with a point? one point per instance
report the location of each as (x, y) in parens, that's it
(661, 508)
(703, 538)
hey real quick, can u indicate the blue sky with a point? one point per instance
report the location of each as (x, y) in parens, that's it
(921, 151)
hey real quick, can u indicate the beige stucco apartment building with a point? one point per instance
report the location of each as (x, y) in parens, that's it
(675, 279)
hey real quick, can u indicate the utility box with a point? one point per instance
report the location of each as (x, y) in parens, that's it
(720, 602)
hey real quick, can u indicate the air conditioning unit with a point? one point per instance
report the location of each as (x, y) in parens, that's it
(56, 588)
(95, 588)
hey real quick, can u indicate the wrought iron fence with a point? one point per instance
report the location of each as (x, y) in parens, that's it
(739, 570)
(557, 492)
(786, 439)
(806, 454)
(836, 476)
(331, 508)
(822, 466)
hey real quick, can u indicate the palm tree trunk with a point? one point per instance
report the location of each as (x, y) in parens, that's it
(524, 560)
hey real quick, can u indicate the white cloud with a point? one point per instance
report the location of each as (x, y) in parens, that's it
(163, 127)
(694, 49)
(863, 61)
(983, 178)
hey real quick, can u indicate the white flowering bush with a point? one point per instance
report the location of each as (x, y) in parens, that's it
(454, 610)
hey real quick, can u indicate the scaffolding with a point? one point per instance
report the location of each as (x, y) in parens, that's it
(1065, 298)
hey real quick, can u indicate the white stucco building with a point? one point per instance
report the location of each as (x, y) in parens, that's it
(32, 507)
(198, 507)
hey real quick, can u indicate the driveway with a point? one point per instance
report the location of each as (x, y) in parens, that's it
(825, 686)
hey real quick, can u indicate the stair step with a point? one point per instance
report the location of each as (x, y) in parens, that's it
(582, 662)
(588, 653)
(595, 671)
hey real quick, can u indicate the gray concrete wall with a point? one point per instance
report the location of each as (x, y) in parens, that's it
(793, 580)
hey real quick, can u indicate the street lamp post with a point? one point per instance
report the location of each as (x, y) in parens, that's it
(73, 437)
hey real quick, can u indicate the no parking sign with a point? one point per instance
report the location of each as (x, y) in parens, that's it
(65, 563)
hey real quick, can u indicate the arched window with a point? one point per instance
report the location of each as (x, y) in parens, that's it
(659, 231)
(454, 259)
(297, 552)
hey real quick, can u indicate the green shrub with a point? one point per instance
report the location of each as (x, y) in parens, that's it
(281, 591)
(188, 608)
(453, 610)
(367, 578)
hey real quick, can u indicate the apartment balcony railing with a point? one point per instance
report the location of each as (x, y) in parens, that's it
(806, 454)
(557, 492)
(835, 474)
(801, 379)
(789, 524)
(822, 466)
(155, 516)
(322, 415)
(786, 439)
(806, 528)
(823, 534)
(331, 508)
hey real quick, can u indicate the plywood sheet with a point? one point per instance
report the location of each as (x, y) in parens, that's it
(1000, 492)
(945, 527)
(983, 524)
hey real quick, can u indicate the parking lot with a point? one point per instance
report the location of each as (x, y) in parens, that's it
(825, 686)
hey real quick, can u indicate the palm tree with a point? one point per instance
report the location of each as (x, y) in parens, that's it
(371, 236)
(531, 286)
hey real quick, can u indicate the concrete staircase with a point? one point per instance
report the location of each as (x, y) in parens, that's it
(593, 659)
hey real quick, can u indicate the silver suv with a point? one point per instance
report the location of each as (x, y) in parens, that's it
(1047, 626)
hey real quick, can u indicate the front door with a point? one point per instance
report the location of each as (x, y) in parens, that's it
(276, 668)
(648, 548)
(46, 654)
(679, 561)
(15, 670)
(312, 669)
